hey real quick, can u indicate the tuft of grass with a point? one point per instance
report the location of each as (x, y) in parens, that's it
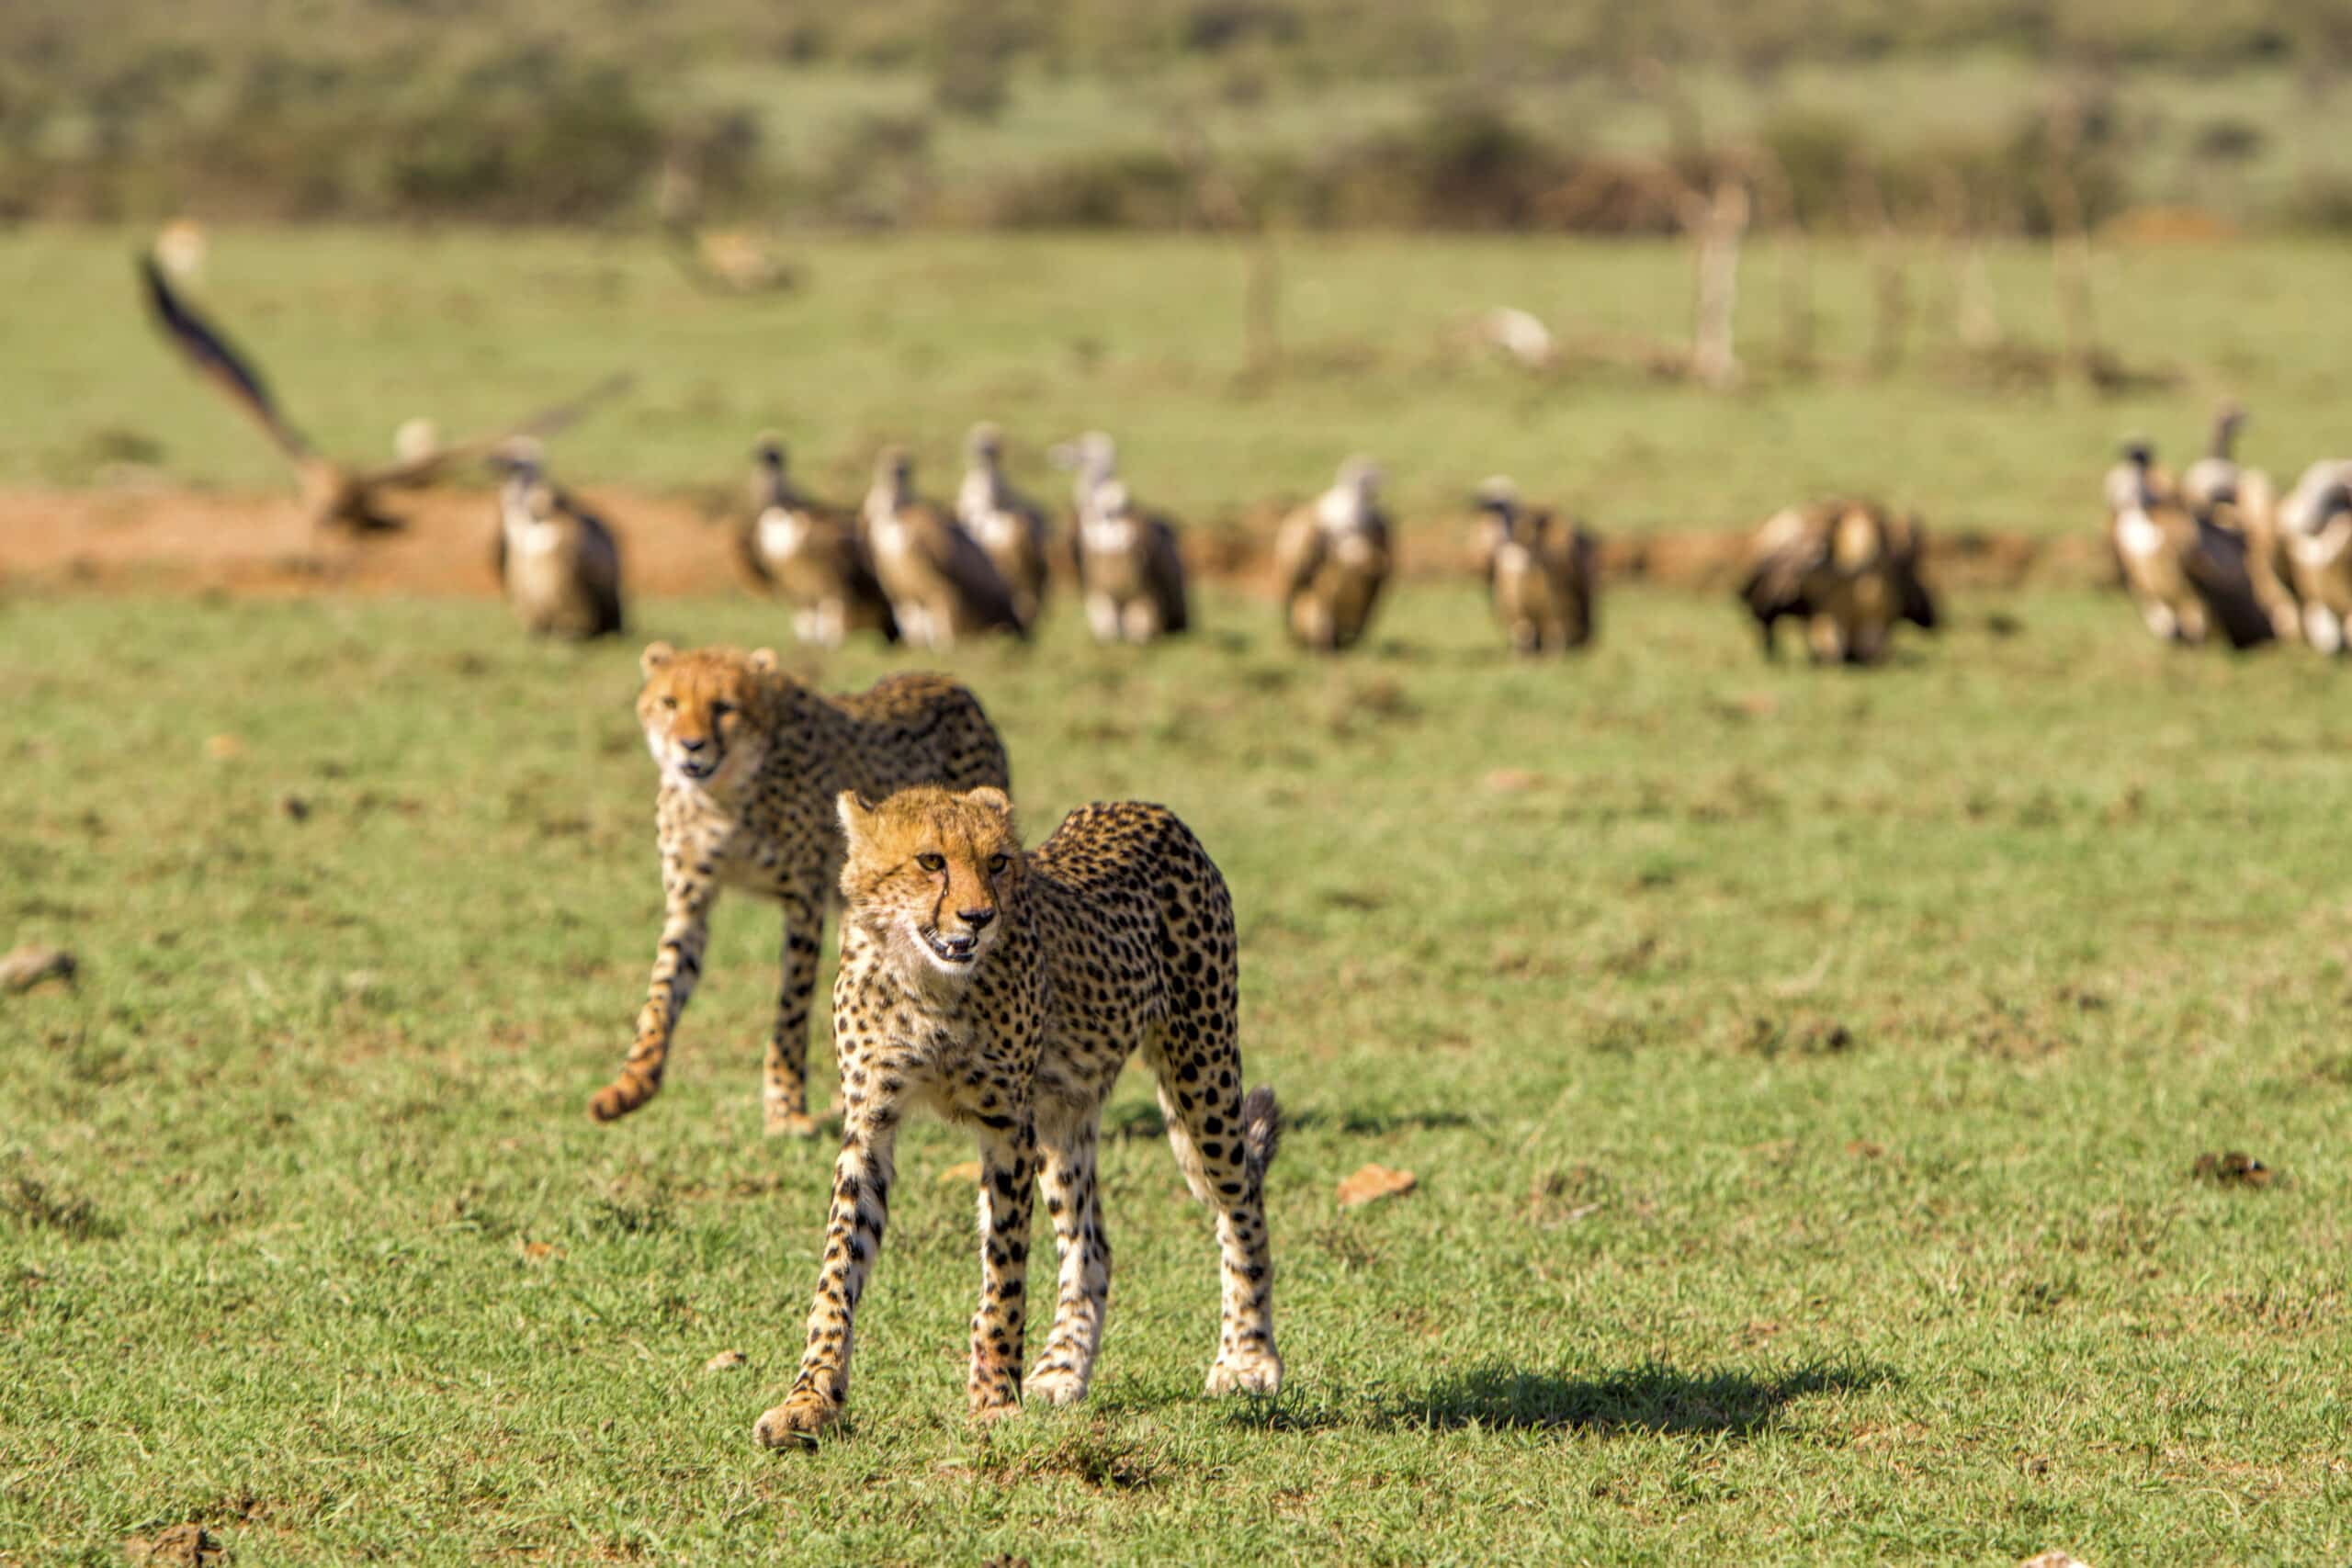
(33, 1203)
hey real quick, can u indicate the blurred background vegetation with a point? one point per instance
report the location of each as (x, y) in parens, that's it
(1581, 116)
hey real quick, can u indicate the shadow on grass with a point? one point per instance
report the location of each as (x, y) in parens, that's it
(1145, 1121)
(1372, 1124)
(1647, 1398)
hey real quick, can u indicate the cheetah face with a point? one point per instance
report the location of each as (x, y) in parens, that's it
(928, 874)
(705, 713)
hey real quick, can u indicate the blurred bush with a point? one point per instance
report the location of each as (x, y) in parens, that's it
(512, 111)
(527, 137)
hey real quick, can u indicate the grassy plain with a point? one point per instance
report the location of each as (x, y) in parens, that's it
(913, 338)
(1803, 1072)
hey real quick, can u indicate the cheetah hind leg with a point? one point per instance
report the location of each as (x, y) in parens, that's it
(785, 1075)
(1225, 1168)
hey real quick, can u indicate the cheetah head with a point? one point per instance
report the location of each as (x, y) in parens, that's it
(707, 712)
(928, 873)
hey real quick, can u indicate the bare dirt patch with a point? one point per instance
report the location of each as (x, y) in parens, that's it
(156, 539)
(167, 541)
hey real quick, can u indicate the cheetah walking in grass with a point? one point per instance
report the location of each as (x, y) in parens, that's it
(1004, 991)
(750, 762)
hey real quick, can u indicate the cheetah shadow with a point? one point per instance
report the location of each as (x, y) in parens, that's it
(1146, 1122)
(1647, 1398)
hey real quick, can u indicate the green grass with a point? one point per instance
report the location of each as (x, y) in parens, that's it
(1804, 1074)
(915, 339)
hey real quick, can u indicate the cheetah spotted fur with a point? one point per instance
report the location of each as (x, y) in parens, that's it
(1004, 991)
(751, 761)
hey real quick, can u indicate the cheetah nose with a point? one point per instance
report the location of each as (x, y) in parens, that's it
(976, 919)
(685, 744)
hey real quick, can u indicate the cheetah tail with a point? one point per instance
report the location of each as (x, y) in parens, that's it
(1261, 1131)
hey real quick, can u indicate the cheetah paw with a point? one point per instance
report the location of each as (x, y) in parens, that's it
(797, 1420)
(791, 1124)
(1251, 1371)
(1055, 1385)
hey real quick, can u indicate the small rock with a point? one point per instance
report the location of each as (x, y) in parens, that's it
(726, 1361)
(182, 1546)
(32, 963)
(968, 1173)
(2054, 1559)
(1375, 1182)
(221, 748)
(1511, 781)
(297, 810)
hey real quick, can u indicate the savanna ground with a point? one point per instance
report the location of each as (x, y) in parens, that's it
(1804, 1072)
(911, 340)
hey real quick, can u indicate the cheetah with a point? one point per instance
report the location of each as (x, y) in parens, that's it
(751, 761)
(1004, 989)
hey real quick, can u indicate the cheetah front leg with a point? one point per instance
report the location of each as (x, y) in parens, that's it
(1007, 1175)
(1067, 1365)
(785, 1090)
(677, 965)
(861, 1206)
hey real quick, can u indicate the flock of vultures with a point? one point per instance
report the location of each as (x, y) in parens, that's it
(2217, 551)
(2214, 551)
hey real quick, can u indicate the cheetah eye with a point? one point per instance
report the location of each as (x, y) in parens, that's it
(931, 863)
(996, 865)
(720, 710)
(669, 701)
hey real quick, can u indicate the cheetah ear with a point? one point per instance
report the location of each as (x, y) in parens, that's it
(657, 656)
(763, 659)
(855, 814)
(993, 798)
